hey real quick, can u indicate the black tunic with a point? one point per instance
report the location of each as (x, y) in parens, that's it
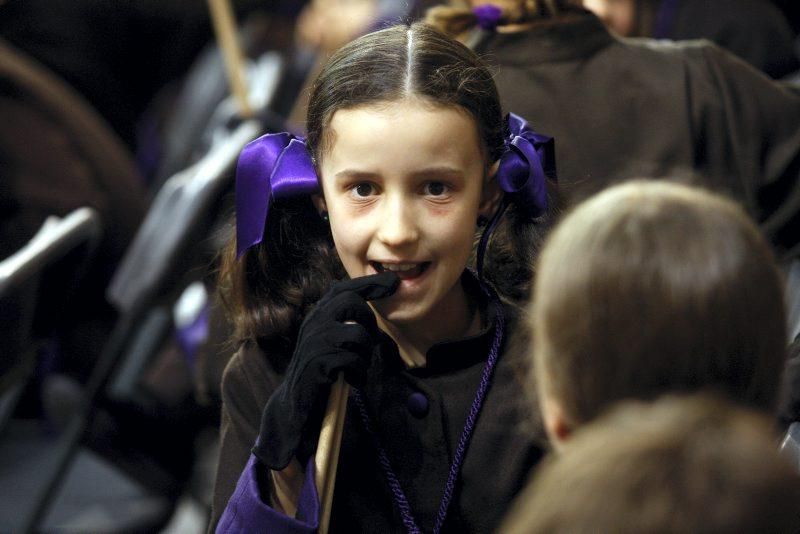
(624, 108)
(505, 445)
(754, 30)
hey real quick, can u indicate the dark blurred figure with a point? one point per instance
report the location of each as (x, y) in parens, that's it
(56, 155)
(754, 30)
(791, 9)
(627, 108)
(116, 54)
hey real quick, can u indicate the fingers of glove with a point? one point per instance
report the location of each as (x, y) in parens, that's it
(354, 367)
(282, 423)
(350, 336)
(352, 354)
(350, 307)
(371, 287)
(315, 365)
(287, 422)
(322, 337)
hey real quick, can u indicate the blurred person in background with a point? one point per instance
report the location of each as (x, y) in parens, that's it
(791, 9)
(116, 54)
(57, 155)
(679, 465)
(754, 30)
(624, 108)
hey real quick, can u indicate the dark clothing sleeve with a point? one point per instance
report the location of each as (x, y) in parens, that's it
(247, 511)
(754, 30)
(753, 124)
(247, 384)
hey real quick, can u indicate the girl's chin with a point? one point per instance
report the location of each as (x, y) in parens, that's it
(396, 312)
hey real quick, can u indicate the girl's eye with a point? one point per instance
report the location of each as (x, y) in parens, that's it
(436, 189)
(363, 189)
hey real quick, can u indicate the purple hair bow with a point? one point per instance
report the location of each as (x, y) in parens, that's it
(273, 166)
(488, 16)
(526, 165)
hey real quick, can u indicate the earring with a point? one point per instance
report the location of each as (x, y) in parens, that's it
(324, 216)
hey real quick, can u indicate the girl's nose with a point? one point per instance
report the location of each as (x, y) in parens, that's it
(397, 224)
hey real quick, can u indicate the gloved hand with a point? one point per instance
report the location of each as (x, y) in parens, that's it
(337, 336)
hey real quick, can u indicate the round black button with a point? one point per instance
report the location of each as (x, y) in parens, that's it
(418, 404)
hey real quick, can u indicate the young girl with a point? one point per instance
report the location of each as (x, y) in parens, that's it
(412, 156)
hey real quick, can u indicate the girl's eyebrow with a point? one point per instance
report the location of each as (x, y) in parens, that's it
(353, 174)
(442, 171)
(439, 171)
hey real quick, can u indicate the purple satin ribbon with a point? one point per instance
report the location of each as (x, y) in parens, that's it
(523, 172)
(525, 167)
(274, 166)
(488, 16)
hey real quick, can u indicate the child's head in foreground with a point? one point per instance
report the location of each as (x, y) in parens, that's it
(680, 465)
(650, 288)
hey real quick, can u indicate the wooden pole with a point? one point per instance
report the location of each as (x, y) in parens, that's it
(330, 440)
(226, 32)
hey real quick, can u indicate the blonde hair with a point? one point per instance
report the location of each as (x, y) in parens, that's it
(457, 17)
(680, 465)
(654, 287)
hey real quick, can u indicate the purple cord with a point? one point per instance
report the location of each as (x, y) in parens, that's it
(394, 484)
(463, 443)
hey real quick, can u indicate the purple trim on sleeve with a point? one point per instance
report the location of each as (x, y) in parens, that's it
(246, 512)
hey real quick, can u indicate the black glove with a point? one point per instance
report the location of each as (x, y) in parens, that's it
(337, 336)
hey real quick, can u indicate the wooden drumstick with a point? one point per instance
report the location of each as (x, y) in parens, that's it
(225, 30)
(330, 440)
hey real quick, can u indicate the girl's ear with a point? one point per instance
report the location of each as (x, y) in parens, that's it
(491, 194)
(555, 422)
(319, 203)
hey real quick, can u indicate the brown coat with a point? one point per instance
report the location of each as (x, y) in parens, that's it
(624, 108)
(505, 445)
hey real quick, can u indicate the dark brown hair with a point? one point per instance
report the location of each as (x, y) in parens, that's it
(681, 465)
(653, 287)
(402, 62)
(269, 290)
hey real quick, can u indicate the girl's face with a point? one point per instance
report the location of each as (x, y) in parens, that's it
(403, 184)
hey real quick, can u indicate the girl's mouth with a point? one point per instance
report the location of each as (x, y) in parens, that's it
(404, 271)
